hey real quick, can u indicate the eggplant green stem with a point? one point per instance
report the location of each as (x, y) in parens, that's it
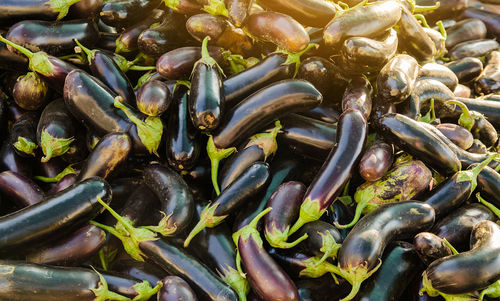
(310, 211)
(206, 58)
(25, 145)
(61, 6)
(236, 280)
(90, 53)
(142, 68)
(19, 48)
(329, 247)
(452, 248)
(145, 291)
(465, 119)
(492, 291)
(207, 219)
(67, 171)
(355, 276)
(102, 293)
(266, 141)
(422, 20)
(216, 155)
(53, 146)
(278, 239)
(490, 206)
(471, 174)
(294, 58)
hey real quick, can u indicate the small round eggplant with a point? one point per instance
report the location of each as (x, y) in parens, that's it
(175, 288)
(31, 92)
(376, 161)
(178, 64)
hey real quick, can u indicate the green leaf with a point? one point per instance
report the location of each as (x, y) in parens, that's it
(61, 6)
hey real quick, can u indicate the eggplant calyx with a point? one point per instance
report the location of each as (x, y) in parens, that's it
(419, 8)
(470, 175)
(61, 6)
(430, 116)
(329, 246)
(145, 291)
(278, 239)
(216, 7)
(25, 145)
(90, 53)
(143, 79)
(310, 211)
(431, 291)
(206, 59)
(127, 233)
(294, 58)
(53, 146)
(67, 171)
(236, 280)
(492, 291)
(266, 141)
(106, 255)
(207, 219)
(149, 131)
(184, 83)
(490, 206)
(466, 119)
(142, 68)
(102, 293)
(163, 227)
(356, 275)
(250, 230)
(422, 20)
(216, 155)
(314, 269)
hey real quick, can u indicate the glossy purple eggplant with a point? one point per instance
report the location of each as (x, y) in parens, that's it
(430, 247)
(20, 190)
(396, 80)
(178, 64)
(489, 18)
(153, 98)
(175, 288)
(466, 69)
(126, 13)
(323, 240)
(31, 92)
(376, 161)
(457, 134)
(488, 82)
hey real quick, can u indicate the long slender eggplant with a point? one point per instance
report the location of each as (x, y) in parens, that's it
(457, 134)
(178, 64)
(448, 9)
(175, 197)
(323, 240)
(234, 196)
(53, 38)
(182, 147)
(457, 226)
(55, 215)
(286, 204)
(336, 170)
(402, 183)
(175, 288)
(105, 68)
(74, 249)
(263, 106)
(310, 13)
(129, 286)
(126, 13)
(31, 282)
(396, 80)
(111, 151)
(489, 80)
(430, 247)
(418, 141)
(324, 113)
(31, 92)
(466, 69)
(467, 271)
(440, 73)
(140, 270)
(489, 108)
(19, 189)
(266, 277)
(206, 96)
(23, 134)
(13, 11)
(465, 30)
(361, 252)
(413, 39)
(474, 48)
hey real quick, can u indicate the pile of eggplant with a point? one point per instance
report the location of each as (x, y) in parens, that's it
(249, 150)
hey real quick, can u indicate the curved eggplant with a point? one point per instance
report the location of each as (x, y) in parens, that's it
(474, 48)
(124, 13)
(396, 80)
(465, 30)
(310, 13)
(430, 89)
(358, 96)
(457, 134)
(440, 73)
(178, 64)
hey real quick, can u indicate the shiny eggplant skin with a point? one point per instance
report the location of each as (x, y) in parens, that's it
(430, 247)
(238, 11)
(448, 9)
(71, 250)
(321, 289)
(126, 42)
(262, 107)
(178, 63)
(176, 261)
(457, 134)
(466, 69)
(11, 61)
(175, 288)
(64, 183)
(418, 141)
(396, 80)
(312, 13)
(55, 215)
(54, 38)
(465, 30)
(424, 91)
(174, 194)
(470, 270)
(182, 147)
(358, 95)
(111, 151)
(488, 182)
(19, 189)
(474, 48)
(315, 242)
(12, 11)
(457, 226)
(153, 98)
(488, 81)
(440, 73)
(10, 160)
(23, 134)
(31, 92)
(238, 162)
(323, 113)
(125, 13)
(478, 147)
(140, 270)
(243, 84)
(489, 18)
(376, 161)
(138, 203)
(413, 39)
(399, 266)
(64, 283)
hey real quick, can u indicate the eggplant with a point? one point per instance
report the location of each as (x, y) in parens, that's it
(361, 253)
(321, 289)
(238, 10)
(175, 288)
(153, 98)
(466, 69)
(10, 160)
(474, 48)
(23, 134)
(310, 13)
(465, 30)
(489, 108)
(430, 247)
(140, 270)
(447, 9)
(126, 42)
(11, 61)
(489, 80)
(457, 134)
(323, 239)
(396, 80)
(20, 190)
(31, 92)
(478, 147)
(440, 73)
(323, 113)
(376, 161)
(125, 13)
(13, 11)
(487, 181)
(178, 64)
(489, 18)
(358, 96)
(467, 271)
(432, 96)
(462, 91)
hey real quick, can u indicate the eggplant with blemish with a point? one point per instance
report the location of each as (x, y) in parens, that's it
(73, 249)
(175, 288)
(418, 141)
(279, 29)
(178, 64)
(249, 183)
(465, 30)
(396, 80)
(456, 227)
(478, 147)
(53, 38)
(20, 190)
(323, 240)
(126, 13)
(457, 134)
(430, 247)
(337, 168)
(474, 48)
(23, 134)
(263, 106)
(489, 80)
(440, 73)
(470, 270)
(376, 161)
(31, 92)
(466, 69)
(182, 147)
(361, 253)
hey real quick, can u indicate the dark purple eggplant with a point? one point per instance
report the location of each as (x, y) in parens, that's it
(111, 151)
(323, 113)
(63, 183)
(376, 161)
(126, 42)
(489, 18)
(238, 10)
(178, 64)
(396, 80)
(12, 11)
(323, 239)
(175, 288)
(358, 96)
(474, 48)
(23, 134)
(175, 197)
(10, 160)
(153, 98)
(465, 30)
(31, 92)
(125, 13)
(53, 38)
(457, 134)
(286, 204)
(361, 253)
(321, 289)
(19, 189)
(262, 107)
(310, 13)
(206, 95)
(11, 61)
(249, 183)
(430, 96)
(140, 270)
(457, 226)
(440, 73)
(74, 249)
(470, 270)
(336, 170)
(430, 247)
(488, 182)
(489, 80)
(266, 277)
(466, 69)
